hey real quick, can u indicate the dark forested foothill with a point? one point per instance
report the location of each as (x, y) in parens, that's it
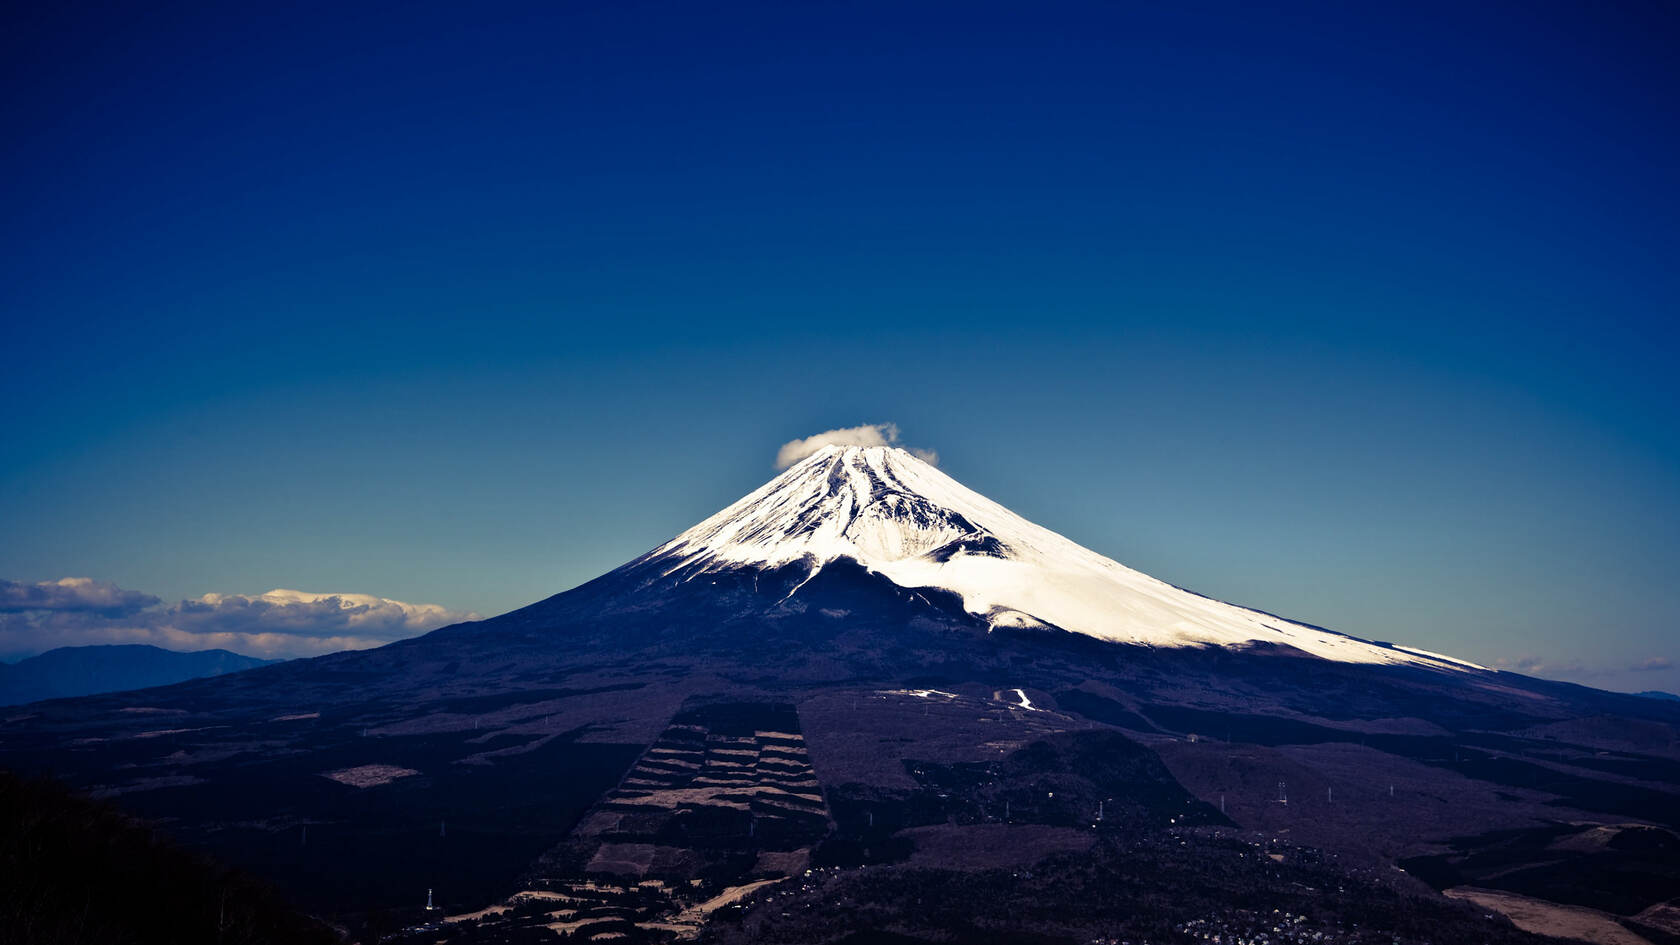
(74, 870)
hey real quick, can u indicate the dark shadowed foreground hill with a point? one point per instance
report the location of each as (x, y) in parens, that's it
(90, 670)
(77, 870)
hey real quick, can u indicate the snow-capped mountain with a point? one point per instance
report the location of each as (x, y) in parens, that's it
(903, 519)
(859, 661)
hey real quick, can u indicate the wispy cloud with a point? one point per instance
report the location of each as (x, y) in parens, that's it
(1648, 673)
(869, 434)
(77, 611)
(1535, 666)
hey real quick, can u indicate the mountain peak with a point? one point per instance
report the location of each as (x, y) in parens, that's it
(875, 504)
(905, 520)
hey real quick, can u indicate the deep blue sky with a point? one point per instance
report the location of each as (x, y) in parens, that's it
(1357, 313)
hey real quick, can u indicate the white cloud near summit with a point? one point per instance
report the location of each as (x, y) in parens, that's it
(35, 617)
(869, 434)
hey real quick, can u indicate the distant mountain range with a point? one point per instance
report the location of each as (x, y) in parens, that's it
(90, 670)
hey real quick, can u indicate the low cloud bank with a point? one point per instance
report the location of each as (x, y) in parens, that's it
(73, 595)
(1639, 675)
(869, 434)
(35, 617)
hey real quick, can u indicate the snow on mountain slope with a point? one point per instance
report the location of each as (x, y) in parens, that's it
(916, 526)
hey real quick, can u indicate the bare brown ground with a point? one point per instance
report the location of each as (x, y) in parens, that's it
(1549, 918)
(729, 896)
(366, 776)
(1663, 916)
(632, 859)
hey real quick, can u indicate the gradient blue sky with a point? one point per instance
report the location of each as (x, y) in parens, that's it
(1357, 313)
